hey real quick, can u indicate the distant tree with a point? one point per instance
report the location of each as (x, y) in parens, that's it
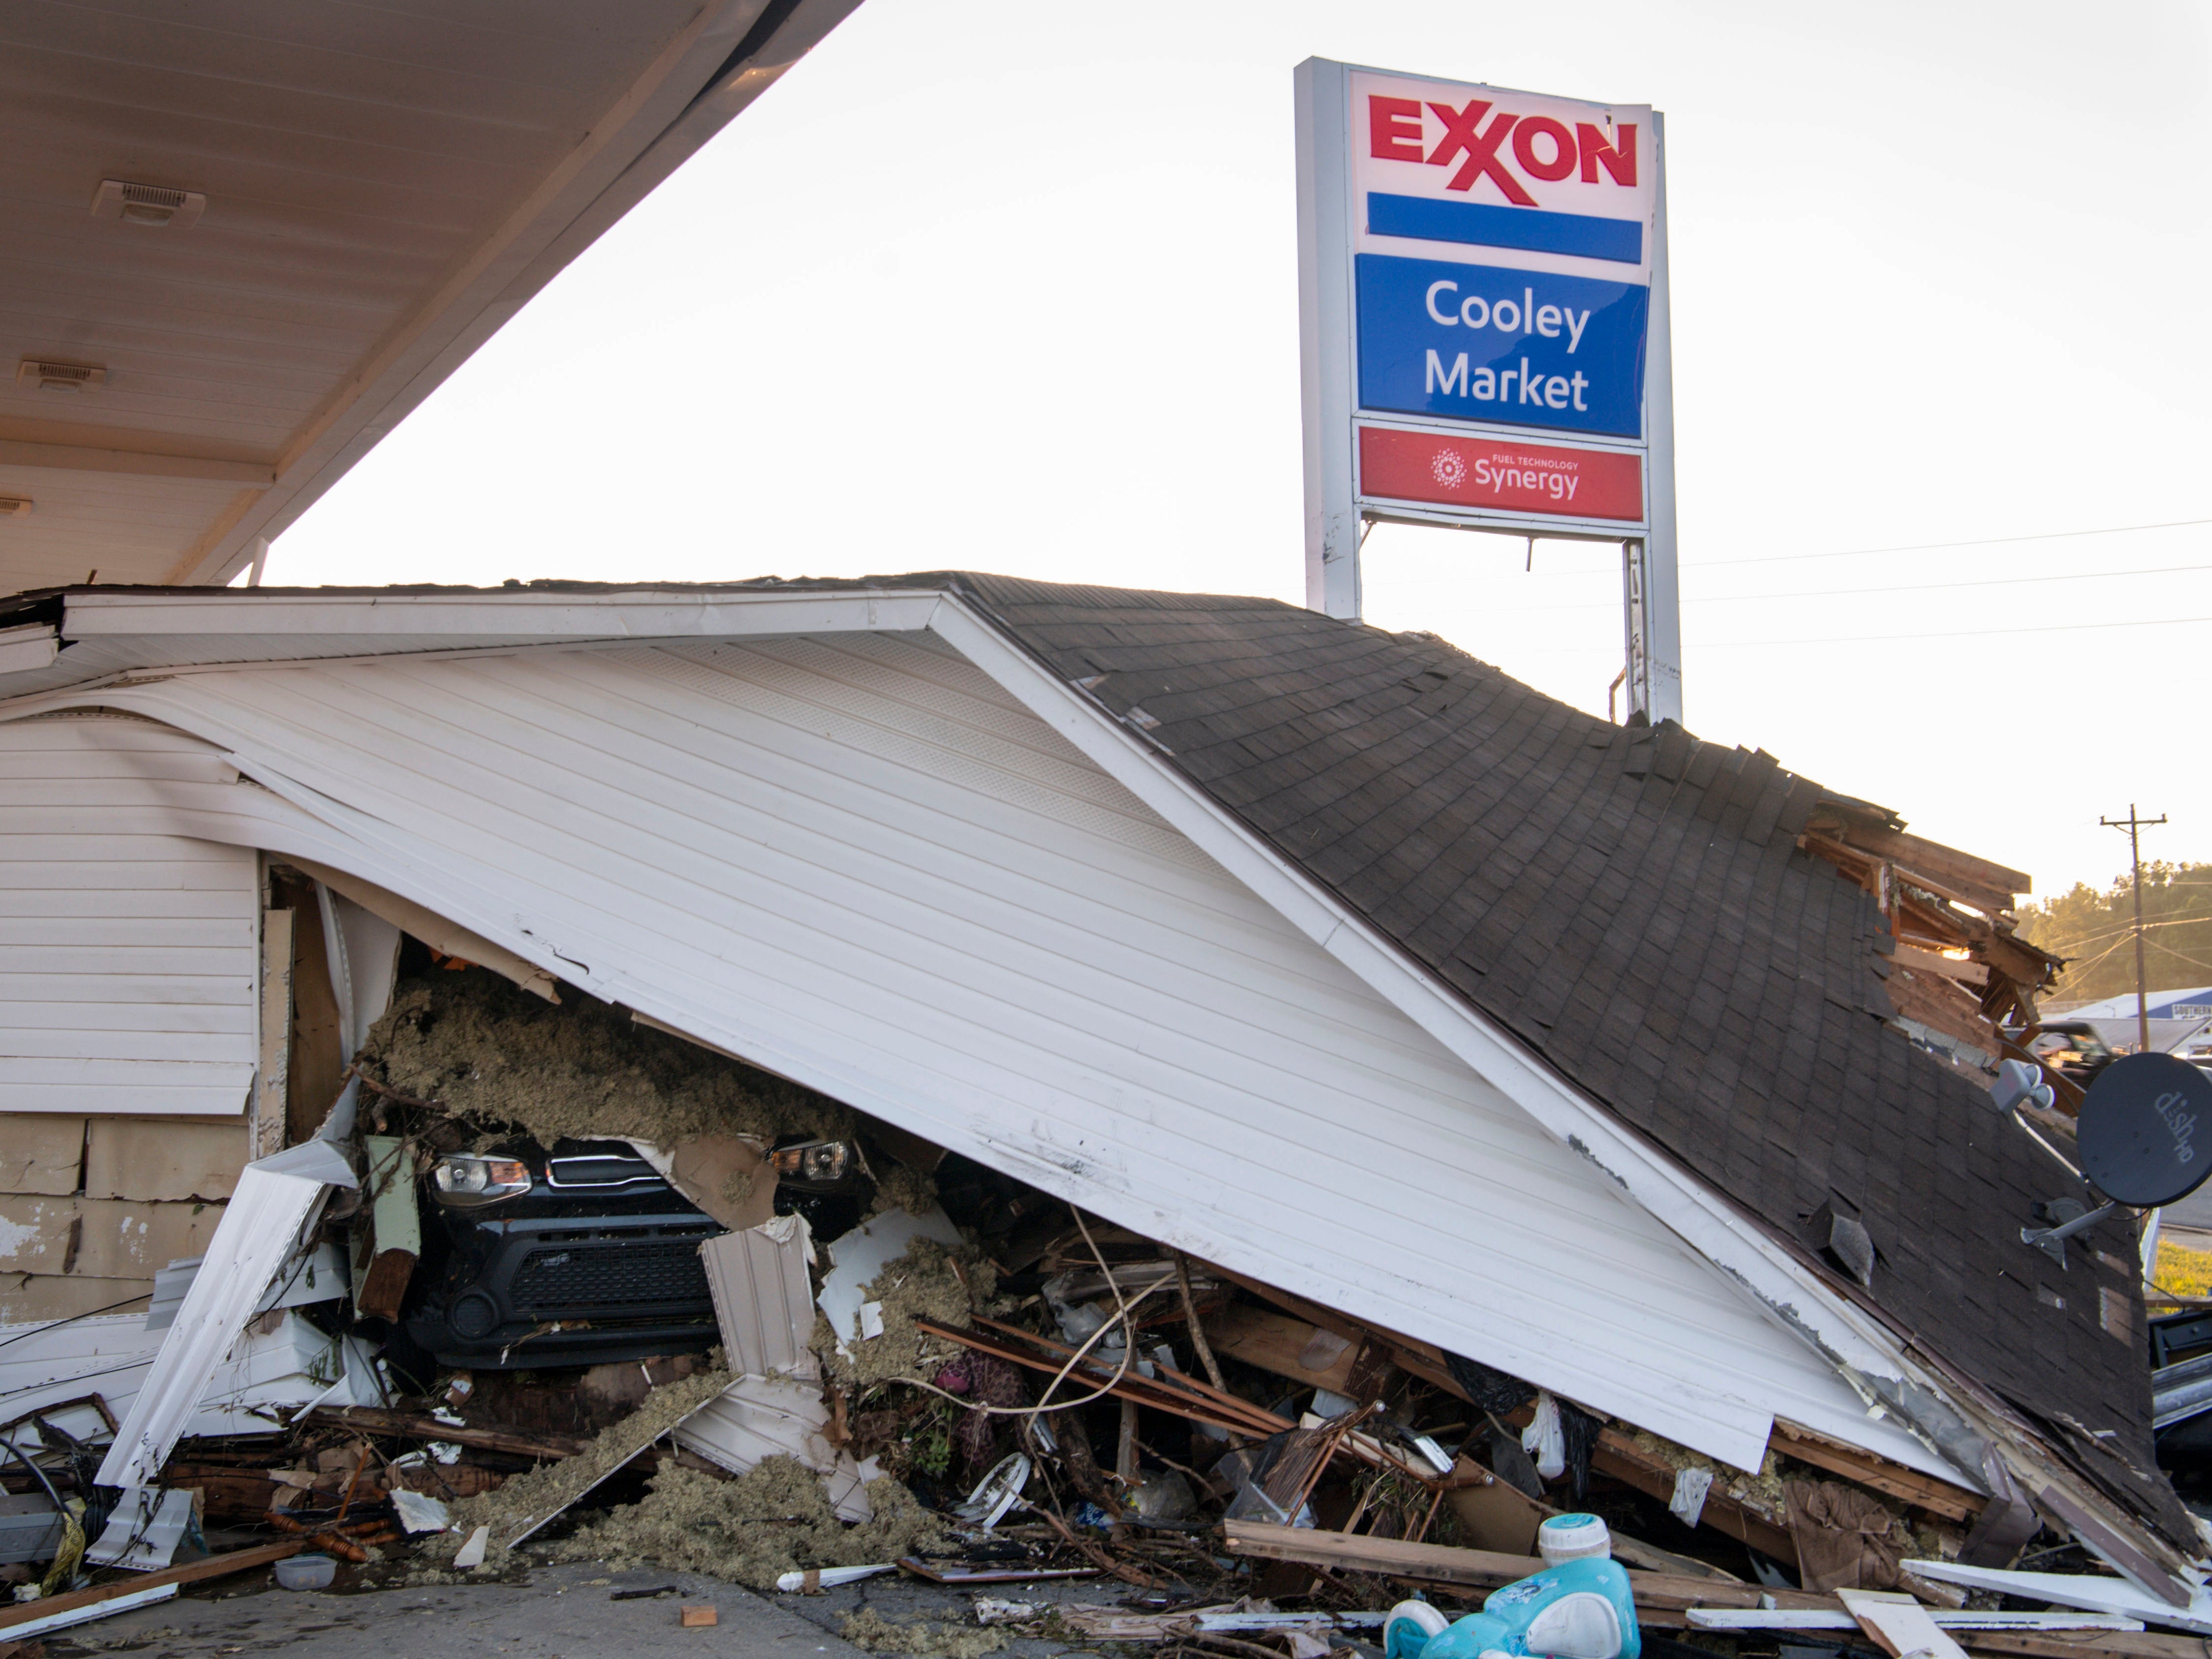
(2095, 932)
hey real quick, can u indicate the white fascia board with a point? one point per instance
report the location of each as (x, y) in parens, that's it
(527, 618)
(1704, 1219)
(32, 645)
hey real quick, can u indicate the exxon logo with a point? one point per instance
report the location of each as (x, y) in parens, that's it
(1482, 142)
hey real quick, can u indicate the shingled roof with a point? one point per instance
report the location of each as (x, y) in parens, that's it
(1633, 904)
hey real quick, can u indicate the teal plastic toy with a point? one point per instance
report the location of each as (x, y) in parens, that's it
(1576, 1610)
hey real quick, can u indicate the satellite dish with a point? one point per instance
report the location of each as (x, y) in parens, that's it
(2145, 1130)
(2137, 1136)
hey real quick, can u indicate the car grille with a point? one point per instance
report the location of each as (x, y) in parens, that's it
(612, 1279)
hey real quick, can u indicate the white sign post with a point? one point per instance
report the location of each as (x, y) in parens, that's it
(1482, 315)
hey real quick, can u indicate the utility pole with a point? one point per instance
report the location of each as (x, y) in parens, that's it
(2134, 826)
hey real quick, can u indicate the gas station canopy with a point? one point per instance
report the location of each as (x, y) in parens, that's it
(247, 239)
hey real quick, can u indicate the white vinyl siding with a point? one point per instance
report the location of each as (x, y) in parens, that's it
(859, 862)
(127, 959)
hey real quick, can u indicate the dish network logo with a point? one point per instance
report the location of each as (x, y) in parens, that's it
(1544, 149)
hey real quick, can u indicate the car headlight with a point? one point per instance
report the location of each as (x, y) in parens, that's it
(816, 1161)
(462, 1181)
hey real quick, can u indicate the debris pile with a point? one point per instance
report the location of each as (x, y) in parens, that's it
(619, 1298)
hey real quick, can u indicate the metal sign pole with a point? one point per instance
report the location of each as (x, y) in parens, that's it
(1483, 332)
(1636, 628)
(1325, 338)
(1662, 634)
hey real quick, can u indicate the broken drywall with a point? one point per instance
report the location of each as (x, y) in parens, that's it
(40, 1154)
(489, 1052)
(154, 1160)
(101, 1238)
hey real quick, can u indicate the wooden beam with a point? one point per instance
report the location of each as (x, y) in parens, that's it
(1423, 1359)
(1891, 1480)
(1927, 961)
(1981, 882)
(214, 1566)
(372, 1420)
(1441, 1564)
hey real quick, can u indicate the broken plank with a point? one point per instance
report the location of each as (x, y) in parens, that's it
(371, 1419)
(1423, 1359)
(1924, 1491)
(214, 1566)
(1277, 1342)
(2046, 1644)
(1898, 1624)
(1945, 1618)
(1442, 1564)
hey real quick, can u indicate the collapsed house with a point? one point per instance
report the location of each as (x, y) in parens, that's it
(1455, 1041)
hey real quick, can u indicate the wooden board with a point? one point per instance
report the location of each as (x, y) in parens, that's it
(214, 1566)
(1891, 1480)
(1440, 1564)
(1278, 1343)
(1898, 1624)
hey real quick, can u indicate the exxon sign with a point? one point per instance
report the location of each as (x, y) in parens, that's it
(1482, 287)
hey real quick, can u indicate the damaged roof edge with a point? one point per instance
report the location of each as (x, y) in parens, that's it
(1880, 1361)
(1867, 1354)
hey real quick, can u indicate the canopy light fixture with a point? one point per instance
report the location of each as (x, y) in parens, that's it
(50, 376)
(14, 507)
(146, 204)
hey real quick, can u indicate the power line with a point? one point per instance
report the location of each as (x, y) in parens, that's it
(1952, 633)
(1916, 589)
(1933, 547)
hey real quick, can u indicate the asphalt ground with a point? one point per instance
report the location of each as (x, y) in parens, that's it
(566, 1612)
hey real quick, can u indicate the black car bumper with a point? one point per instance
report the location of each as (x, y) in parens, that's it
(563, 1290)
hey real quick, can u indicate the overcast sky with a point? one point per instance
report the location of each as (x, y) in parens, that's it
(1013, 287)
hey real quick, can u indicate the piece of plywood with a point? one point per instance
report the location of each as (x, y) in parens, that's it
(1898, 1624)
(727, 1177)
(40, 1154)
(1276, 1342)
(1495, 1514)
(149, 1159)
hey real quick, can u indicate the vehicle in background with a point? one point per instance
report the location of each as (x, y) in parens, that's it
(2069, 1047)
